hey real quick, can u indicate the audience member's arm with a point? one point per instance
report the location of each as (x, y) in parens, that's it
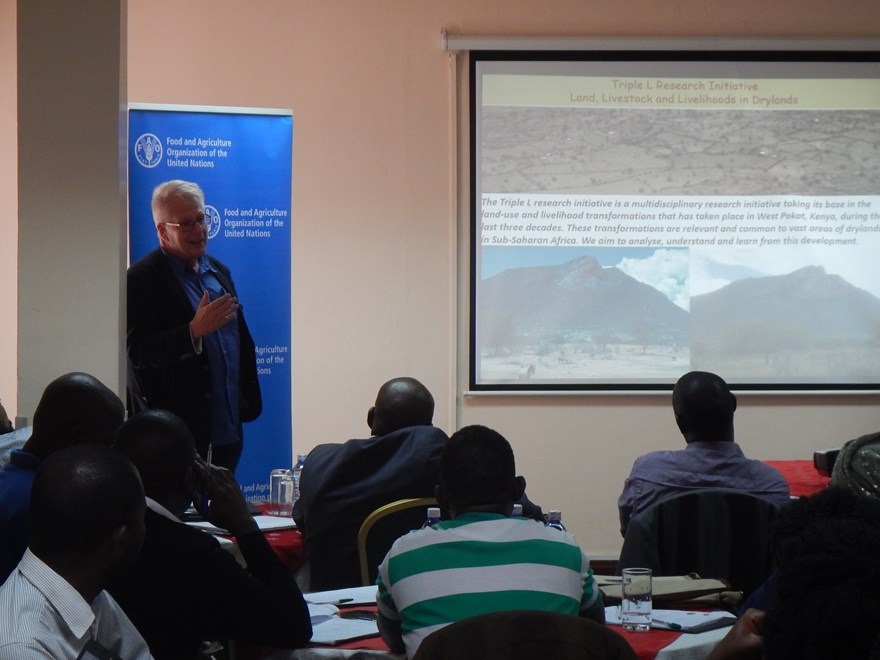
(391, 634)
(625, 505)
(744, 641)
(263, 604)
(592, 605)
(389, 619)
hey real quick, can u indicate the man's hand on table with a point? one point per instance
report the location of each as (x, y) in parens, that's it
(744, 641)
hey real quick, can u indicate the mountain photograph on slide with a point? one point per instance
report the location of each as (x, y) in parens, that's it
(579, 320)
(806, 325)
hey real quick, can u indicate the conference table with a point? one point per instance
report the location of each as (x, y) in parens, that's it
(659, 644)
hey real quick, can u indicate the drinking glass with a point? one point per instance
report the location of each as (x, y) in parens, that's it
(635, 608)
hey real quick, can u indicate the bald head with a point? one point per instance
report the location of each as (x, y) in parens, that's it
(75, 408)
(703, 405)
(401, 402)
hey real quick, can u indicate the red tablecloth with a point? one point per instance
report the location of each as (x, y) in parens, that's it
(802, 477)
(646, 644)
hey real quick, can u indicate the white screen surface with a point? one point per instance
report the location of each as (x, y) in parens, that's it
(636, 220)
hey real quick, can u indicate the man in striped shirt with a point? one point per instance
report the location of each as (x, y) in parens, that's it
(481, 560)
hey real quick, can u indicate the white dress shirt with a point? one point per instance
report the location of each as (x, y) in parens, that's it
(43, 616)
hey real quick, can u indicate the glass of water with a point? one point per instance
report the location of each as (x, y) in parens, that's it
(635, 608)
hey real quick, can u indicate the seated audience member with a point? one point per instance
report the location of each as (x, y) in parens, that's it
(825, 602)
(342, 484)
(482, 560)
(184, 587)
(74, 408)
(857, 466)
(703, 406)
(87, 525)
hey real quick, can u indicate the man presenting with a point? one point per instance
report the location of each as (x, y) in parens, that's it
(189, 348)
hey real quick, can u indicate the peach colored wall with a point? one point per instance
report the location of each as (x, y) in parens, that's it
(8, 210)
(379, 258)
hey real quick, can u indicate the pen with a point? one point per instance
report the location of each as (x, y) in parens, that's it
(339, 601)
(669, 624)
(203, 509)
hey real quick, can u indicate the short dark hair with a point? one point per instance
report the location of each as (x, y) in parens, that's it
(80, 496)
(477, 466)
(159, 443)
(703, 403)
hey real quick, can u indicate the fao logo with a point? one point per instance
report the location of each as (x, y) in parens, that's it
(212, 221)
(148, 150)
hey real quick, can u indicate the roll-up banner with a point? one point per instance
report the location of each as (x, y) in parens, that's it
(241, 158)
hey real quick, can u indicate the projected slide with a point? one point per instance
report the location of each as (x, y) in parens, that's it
(635, 221)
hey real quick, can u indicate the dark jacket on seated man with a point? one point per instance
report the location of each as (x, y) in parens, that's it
(342, 483)
(185, 588)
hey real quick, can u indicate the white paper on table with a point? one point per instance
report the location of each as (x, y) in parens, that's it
(348, 597)
(320, 612)
(265, 523)
(335, 630)
(684, 620)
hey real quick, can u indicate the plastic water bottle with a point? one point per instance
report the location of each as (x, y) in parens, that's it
(554, 520)
(433, 516)
(297, 474)
(517, 511)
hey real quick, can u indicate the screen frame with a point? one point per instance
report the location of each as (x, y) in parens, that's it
(629, 50)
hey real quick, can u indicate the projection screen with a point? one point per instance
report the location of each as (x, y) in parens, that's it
(637, 215)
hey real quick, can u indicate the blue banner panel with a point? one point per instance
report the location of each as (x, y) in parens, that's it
(242, 160)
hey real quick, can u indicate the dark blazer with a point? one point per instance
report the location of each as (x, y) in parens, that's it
(185, 588)
(342, 484)
(163, 369)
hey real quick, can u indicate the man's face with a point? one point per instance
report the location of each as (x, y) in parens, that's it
(187, 244)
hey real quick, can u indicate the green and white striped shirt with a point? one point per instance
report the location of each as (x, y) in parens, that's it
(481, 563)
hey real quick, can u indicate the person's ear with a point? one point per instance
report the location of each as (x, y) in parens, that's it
(370, 415)
(519, 488)
(440, 496)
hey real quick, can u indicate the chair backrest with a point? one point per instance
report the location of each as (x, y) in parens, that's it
(383, 527)
(717, 533)
(525, 635)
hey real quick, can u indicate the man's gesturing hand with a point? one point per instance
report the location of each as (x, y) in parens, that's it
(211, 315)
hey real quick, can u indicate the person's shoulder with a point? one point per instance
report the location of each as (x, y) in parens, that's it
(171, 534)
(147, 261)
(652, 459)
(424, 433)
(146, 267)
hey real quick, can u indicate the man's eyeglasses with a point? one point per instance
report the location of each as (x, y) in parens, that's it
(189, 225)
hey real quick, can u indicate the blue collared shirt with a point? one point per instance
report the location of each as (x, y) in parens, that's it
(223, 349)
